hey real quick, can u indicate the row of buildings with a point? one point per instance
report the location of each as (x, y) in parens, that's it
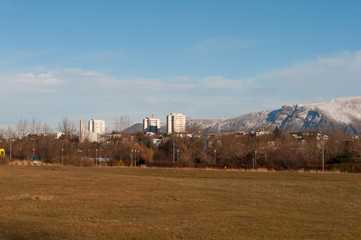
(96, 128)
(176, 123)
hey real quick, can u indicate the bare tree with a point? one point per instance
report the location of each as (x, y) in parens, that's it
(35, 126)
(2, 133)
(46, 129)
(10, 133)
(66, 126)
(122, 123)
(22, 128)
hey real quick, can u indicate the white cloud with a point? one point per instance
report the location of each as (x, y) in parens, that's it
(79, 92)
(323, 78)
(180, 79)
(44, 79)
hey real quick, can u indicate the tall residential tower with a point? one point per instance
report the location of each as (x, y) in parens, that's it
(151, 124)
(97, 126)
(176, 123)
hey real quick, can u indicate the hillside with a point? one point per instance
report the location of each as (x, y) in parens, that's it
(337, 115)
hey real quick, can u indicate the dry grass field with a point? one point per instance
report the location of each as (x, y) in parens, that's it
(47, 202)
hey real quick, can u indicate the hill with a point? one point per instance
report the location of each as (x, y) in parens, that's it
(337, 115)
(342, 114)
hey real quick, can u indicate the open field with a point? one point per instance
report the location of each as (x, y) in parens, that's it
(125, 203)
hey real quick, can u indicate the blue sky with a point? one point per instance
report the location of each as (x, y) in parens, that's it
(206, 59)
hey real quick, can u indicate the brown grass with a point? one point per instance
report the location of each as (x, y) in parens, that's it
(28, 163)
(52, 202)
(27, 196)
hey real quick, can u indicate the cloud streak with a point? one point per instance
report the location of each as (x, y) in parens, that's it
(322, 78)
(79, 92)
(44, 79)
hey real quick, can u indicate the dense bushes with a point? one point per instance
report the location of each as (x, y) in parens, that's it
(273, 151)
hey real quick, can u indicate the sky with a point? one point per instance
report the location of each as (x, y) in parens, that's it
(205, 59)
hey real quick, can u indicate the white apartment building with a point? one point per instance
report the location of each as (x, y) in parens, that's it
(151, 124)
(84, 134)
(96, 126)
(176, 123)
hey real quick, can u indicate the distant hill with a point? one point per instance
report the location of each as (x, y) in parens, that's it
(138, 127)
(341, 114)
(338, 114)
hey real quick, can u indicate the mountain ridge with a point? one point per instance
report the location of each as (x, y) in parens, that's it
(336, 115)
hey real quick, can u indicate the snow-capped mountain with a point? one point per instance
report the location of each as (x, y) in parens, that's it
(194, 124)
(337, 115)
(342, 114)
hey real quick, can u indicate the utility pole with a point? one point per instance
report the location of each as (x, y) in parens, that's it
(131, 159)
(10, 147)
(255, 158)
(214, 160)
(323, 154)
(173, 150)
(205, 146)
(96, 157)
(138, 157)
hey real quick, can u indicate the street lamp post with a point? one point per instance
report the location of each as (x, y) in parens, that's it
(214, 159)
(177, 155)
(62, 156)
(255, 158)
(131, 159)
(322, 141)
(10, 148)
(96, 156)
(323, 154)
(138, 157)
(33, 152)
(173, 150)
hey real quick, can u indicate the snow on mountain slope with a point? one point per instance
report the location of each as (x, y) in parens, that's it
(341, 113)
(344, 110)
(195, 124)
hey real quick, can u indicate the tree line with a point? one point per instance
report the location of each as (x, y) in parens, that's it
(277, 150)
